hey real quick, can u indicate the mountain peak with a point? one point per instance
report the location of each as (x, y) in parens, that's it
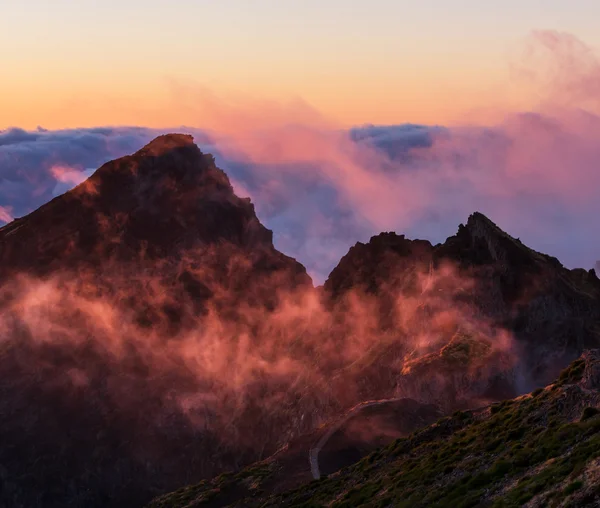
(165, 143)
(164, 199)
(479, 218)
(481, 241)
(478, 225)
(170, 156)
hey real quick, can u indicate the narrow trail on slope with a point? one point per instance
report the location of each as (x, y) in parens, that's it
(313, 454)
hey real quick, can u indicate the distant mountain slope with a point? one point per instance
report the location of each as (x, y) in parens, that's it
(490, 282)
(541, 449)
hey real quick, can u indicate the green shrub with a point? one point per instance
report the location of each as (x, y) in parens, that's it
(572, 373)
(589, 412)
(572, 487)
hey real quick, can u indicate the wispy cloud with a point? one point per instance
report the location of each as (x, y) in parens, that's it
(5, 215)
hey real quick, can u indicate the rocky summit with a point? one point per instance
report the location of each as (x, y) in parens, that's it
(153, 337)
(166, 200)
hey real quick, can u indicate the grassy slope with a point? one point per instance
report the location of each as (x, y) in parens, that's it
(541, 449)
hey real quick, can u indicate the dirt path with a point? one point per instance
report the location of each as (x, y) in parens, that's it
(313, 454)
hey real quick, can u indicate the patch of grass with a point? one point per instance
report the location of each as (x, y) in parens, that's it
(573, 373)
(572, 487)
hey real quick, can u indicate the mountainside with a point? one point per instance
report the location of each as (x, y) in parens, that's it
(167, 209)
(166, 197)
(538, 450)
(512, 317)
(341, 442)
(152, 336)
(120, 304)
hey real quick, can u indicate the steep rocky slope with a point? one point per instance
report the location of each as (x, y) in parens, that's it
(514, 317)
(114, 298)
(166, 209)
(338, 443)
(538, 450)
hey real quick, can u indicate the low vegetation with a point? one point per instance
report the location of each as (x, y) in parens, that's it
(541, 449)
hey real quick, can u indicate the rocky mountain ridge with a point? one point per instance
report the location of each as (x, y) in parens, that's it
(492, 279)
(154, 336)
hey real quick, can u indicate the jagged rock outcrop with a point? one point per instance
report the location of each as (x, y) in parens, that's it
(489, 281)
(385, 264)
(164, 198)
(165, 216)
(166, 201)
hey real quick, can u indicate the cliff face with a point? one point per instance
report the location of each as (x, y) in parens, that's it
(485, 281)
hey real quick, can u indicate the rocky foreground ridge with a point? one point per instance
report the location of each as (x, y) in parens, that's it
(540, 449)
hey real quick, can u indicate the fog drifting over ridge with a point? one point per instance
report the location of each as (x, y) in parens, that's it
(321, 189)
(417, 180)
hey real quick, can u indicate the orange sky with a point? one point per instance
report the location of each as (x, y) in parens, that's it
(71, 64)
(344, 100)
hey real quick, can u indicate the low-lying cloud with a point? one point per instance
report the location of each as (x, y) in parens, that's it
(534, 175)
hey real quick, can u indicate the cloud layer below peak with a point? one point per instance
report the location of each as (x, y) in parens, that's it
(321, 190)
